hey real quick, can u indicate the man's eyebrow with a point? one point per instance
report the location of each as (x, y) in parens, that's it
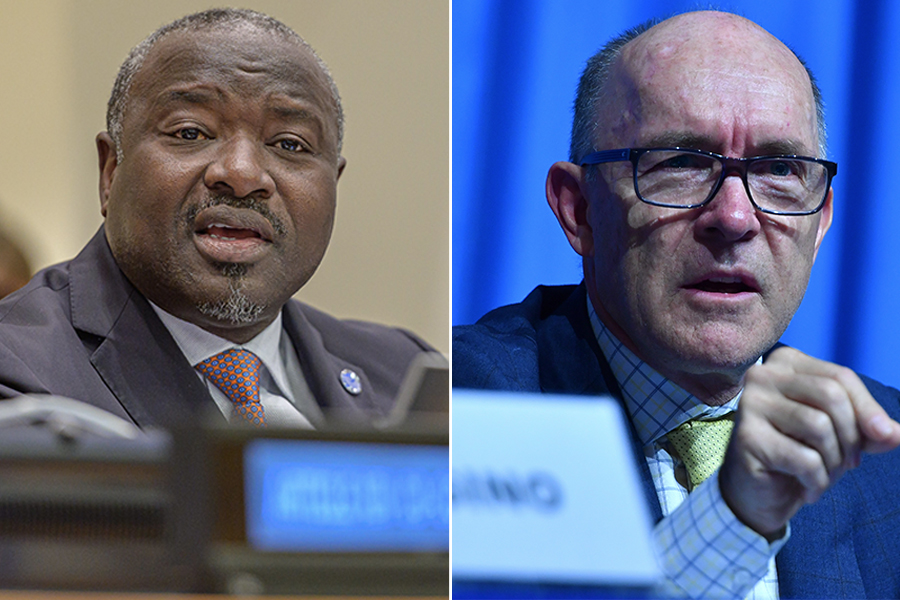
(292, 113)
(188, 96)
(701, 142)
(782, 147)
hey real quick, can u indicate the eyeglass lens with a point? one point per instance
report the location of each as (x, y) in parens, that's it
(687, 179)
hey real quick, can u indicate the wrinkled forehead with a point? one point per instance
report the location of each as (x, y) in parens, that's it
(711, 71)
(242, 58)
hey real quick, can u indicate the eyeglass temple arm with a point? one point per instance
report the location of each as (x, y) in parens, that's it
(605, 156)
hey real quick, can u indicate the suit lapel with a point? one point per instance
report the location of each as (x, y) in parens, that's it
(136, 357)
(322, 371)
(570, 362)
(145, 369)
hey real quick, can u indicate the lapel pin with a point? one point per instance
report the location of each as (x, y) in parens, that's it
(350, 381)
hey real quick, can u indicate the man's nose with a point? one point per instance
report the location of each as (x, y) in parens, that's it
(730, 216)
(239, 169)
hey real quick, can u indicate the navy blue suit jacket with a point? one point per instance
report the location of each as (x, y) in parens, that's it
(81, 330)
(846, 545)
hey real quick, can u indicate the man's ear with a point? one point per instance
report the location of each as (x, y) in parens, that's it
(825, 217)
(342, 162)
(568, 200)
(106, 154)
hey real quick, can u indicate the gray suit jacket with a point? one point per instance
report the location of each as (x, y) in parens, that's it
(81, 330)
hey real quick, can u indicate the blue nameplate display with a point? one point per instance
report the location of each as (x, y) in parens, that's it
(330, 496)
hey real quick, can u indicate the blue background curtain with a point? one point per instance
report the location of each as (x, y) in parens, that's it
(515, 67)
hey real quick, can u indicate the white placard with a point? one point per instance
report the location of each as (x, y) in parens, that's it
(545, 489)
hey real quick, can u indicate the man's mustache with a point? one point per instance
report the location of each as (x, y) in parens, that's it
(250, 203)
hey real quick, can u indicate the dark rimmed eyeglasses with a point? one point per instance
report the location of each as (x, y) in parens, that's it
(686, 178)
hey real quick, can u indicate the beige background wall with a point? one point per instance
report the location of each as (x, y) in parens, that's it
(389, 256)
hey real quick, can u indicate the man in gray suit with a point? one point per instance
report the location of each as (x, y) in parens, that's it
(218, 178)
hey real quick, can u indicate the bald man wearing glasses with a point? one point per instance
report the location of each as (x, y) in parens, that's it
(697, 195)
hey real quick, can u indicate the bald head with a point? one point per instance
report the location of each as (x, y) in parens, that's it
(711, 54)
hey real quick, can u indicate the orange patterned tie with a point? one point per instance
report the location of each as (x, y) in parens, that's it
(236, 373)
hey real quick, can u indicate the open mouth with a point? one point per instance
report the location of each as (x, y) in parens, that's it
(222, 222)
(226, 232)
(725, 285)
(227, 235)
(722, 287)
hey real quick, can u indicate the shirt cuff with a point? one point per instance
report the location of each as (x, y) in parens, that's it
(706, 552)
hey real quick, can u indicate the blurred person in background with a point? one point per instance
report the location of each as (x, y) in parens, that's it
(15, 270)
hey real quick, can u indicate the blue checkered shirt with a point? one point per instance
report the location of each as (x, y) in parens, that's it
(703, 550)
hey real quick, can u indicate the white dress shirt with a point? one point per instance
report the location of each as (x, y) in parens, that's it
(283, 391)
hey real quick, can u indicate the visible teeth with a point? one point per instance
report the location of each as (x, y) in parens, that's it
(218, 226)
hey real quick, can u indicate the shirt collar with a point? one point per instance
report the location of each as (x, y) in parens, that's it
(197, 344)
(655, 404)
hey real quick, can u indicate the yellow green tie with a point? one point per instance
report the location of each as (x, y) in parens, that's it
(701, 446)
